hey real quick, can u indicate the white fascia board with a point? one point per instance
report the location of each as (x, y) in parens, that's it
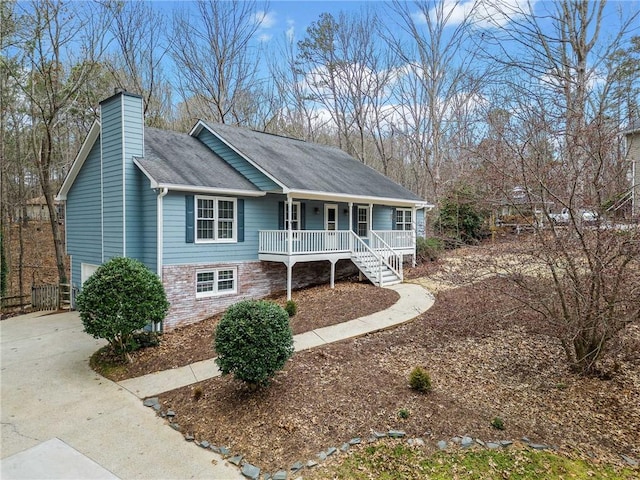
(78, 162)
(212, 190)
(198, 128)
(340, 197)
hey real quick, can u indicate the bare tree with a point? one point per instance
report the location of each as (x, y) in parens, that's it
(217, 61)
(439, 76)
(58, 49)
(582, 276)
(137, 66)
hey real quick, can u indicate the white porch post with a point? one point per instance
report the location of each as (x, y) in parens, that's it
(333, 273)
(289, 234)
(414, 232)
(289, 274)
(351, 226)
(370, 217)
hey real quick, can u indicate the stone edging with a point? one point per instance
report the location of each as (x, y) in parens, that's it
(252, 472)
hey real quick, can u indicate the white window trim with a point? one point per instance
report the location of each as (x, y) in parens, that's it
(86, 270)
(234, 238)
(215, 292)
(395, 220)
(286, 215)
(358, 222)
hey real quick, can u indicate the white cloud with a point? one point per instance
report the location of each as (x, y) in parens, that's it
(265, 19)
(482, 13)
(291, 31)
(264, 37)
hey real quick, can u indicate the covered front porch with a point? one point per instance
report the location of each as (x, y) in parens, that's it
(379, 257)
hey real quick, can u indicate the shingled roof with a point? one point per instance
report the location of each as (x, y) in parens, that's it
(177, 159)
(304, 166)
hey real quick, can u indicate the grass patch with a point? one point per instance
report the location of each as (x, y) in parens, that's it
(107, 363)
(387, 462)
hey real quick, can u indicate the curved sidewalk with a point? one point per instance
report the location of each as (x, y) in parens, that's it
(414, 300)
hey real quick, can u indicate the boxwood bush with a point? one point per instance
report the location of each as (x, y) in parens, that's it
(253, 340)
(120, 298)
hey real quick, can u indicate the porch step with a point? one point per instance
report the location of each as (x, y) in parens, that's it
(369, 265)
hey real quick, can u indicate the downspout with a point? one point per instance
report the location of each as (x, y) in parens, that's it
(160, 240)
(159, 235)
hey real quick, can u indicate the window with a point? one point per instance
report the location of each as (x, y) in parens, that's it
(295, 216)
(218, 281)
(403, 219)
(215, 219)
(363, 221)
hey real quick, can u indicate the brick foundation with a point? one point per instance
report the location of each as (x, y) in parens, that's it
(255, 280)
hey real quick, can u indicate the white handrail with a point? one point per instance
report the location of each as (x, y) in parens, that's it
(392, 258)
(368, 256)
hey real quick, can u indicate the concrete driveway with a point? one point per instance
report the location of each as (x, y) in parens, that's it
(61, 420)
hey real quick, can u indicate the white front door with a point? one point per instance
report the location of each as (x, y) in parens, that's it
(331, 225)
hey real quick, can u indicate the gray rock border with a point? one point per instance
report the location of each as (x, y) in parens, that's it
(253, 472)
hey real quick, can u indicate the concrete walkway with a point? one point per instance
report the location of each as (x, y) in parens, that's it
(413, 301)
(60, 420)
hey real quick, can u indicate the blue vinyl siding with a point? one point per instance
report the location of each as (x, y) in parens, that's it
(259, 214)
(382, 218)
(112, 177)
(147, 242)
(236, 161)
(136, 187)
(83, 224)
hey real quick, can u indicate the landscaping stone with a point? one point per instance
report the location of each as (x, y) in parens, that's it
(355, 441)
(480, 442)
(224, 451)
(456, 439)
(442, 445)
(492, 445)
(466, 442)
(331, 451)
(379, 434)
(525, 440)
(171, 413)
(396, 433)
(505, 443)
(175, 426)
(150, 402)
(344, 447)
(322, 456)
(538, 446)
(311, 463)
(267, 476)
(189, 438)
(250, 471)
(236, 459)
(279, 475)
(630, 460)
(204, 444)
(215, 449)
(296, 467)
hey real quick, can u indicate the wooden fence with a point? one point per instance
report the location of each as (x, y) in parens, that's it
(47, 297)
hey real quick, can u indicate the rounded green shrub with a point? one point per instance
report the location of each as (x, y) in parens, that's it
(420, 380)
(253, 340)
(291, 307)
(121, 297)
(497, 423)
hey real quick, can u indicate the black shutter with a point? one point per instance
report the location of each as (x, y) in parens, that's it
(302, 216)
(240, 220)
(354, 219)
(280, 215)
(394, 219)
(189, 218)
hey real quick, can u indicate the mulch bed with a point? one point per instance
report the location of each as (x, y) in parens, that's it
(319, 306)
(486, 358)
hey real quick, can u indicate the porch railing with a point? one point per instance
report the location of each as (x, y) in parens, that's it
(398, 239)
(391, 257)
(375, 258)
(303, 241)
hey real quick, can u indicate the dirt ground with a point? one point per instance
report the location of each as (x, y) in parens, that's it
(486, 359)
(317, 307)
